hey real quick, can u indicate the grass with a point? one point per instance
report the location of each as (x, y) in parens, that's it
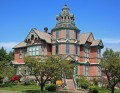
(20, 88)
(24, 89)
(102, 90)
(36, 89)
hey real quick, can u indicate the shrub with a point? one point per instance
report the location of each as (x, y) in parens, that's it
(93, 89)
(1, 79)
(95, 82)
(15, 78)
(27, 81)
(83, 82)
(50, 87)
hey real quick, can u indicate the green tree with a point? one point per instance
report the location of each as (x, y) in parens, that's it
(49, 68)
(3, 54)
(111, 67)
(10, 56)
(6, 70)
(83, 82)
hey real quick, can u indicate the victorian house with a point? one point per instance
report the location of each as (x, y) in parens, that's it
(65, 40)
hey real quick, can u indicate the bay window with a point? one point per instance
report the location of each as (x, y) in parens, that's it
(33, 50)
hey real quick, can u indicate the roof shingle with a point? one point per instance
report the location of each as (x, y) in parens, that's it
(21, 44)
(83, 37)
(95, 42)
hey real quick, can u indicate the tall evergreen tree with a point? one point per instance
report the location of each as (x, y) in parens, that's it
(3, 54)
(10, 56)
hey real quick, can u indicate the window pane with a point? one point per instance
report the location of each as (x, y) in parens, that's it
(30, 48)
(21, 51)
(57, 34)
(76, 35)
(76, 49)
(67, 48)
(33, 53)
(20, 54)
(36, 52)
(33, 48)
(67, 34)
(30, 53)
(56, 49)
(42, 50)
(36, 48)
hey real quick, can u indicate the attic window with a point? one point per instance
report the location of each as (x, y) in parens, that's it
(36, 38)
(28, 40)
(68, 17)
(32, 37)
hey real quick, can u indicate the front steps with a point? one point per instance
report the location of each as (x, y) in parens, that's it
(70, 84)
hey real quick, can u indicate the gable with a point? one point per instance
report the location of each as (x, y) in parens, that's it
(31, 35)
(90, 38)
(101, 44)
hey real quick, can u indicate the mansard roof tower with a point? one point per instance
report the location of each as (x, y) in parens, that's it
(65, 34)
(65, 20)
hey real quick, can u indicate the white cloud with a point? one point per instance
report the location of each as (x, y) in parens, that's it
(8, 45)
(111, 40)
(113, 43)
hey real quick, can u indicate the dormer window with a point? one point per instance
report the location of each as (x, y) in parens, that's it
(36, 38)
(28, 40)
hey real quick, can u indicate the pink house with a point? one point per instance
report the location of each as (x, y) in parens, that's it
(66, 40)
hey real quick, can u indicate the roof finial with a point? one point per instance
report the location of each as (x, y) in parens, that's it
(65, 6)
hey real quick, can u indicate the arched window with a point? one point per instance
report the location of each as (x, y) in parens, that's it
(32, 37)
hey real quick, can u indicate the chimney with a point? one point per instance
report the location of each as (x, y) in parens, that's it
(46, 30)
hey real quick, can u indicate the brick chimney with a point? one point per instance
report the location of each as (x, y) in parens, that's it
(46, 30)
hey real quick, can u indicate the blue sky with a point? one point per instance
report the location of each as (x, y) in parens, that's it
(18, 17)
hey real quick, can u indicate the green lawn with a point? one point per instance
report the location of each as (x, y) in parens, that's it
(107, 91)
(20, 88)
(36, 89)
(25, 89)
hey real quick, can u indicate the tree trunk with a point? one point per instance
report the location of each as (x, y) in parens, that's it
(42, 84)
(42, 87)
(112, 89)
